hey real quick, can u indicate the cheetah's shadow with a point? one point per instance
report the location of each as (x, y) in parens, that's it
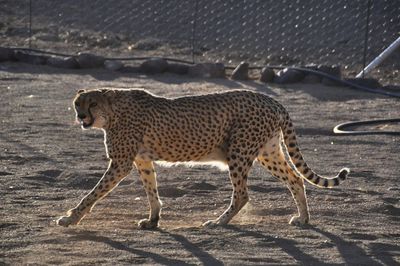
(350, 252)
(201, 255)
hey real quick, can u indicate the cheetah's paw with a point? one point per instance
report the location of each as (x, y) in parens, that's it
(299, 220)
(67, 221)
(147, 224)
(211, 223)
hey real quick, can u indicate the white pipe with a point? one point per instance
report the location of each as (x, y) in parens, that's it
(379, 59)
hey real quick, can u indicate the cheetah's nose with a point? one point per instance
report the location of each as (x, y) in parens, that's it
(81, 116)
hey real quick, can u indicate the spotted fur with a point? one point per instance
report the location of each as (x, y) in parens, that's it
(231, 128)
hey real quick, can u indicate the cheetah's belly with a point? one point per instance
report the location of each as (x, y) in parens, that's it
(214, 154)
(216, 158)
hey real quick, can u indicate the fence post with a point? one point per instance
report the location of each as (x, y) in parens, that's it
(30, 25)
(194, 30)
(366, 36)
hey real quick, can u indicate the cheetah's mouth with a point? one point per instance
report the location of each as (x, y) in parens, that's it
(87, 122)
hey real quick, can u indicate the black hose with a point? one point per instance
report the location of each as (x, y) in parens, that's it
(146, 58)
(341, 81)
(106, 58)
(339, 129)
(39, 51)
(325, 75)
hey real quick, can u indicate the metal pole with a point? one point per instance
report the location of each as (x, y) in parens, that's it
(380, 58)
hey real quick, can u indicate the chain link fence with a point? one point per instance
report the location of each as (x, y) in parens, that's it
(284, 32)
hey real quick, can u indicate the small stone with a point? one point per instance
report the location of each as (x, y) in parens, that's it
(88, 60)
(154, 66)
(267, 75)
(113, 65)
(179, 69)
(241, 72)
(312, 79)
(207, 70)
(130, 69)
(334, 71)
(62, 62)
(6, 54)
(288, 75)
(30, 58)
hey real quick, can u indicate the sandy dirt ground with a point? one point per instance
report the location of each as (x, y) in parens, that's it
(48, 164)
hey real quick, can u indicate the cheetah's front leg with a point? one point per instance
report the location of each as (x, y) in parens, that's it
(148, 176)
(117, 170)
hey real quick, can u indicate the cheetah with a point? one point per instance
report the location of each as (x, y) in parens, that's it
(233, 128)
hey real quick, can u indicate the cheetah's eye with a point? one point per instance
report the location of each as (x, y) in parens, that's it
(93, 104)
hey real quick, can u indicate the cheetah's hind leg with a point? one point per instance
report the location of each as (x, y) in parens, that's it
(273, 159)
(239, 166)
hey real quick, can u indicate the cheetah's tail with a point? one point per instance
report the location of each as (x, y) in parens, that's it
(290, 141)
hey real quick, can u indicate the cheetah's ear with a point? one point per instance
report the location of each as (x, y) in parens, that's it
(81, 91)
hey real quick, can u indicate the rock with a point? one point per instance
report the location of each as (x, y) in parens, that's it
(241, 72)
(30, 58)
(366, 82)
(288, 75)
(130, 69)
(312, 79)
(334, 71)
(207, 70)
(88, 60)
(62, 62)
(267, 75)
(6, 54)
(113, 65)
(180, 69)
(154, 66)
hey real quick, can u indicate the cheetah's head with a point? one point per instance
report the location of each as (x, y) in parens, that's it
(92, 109)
